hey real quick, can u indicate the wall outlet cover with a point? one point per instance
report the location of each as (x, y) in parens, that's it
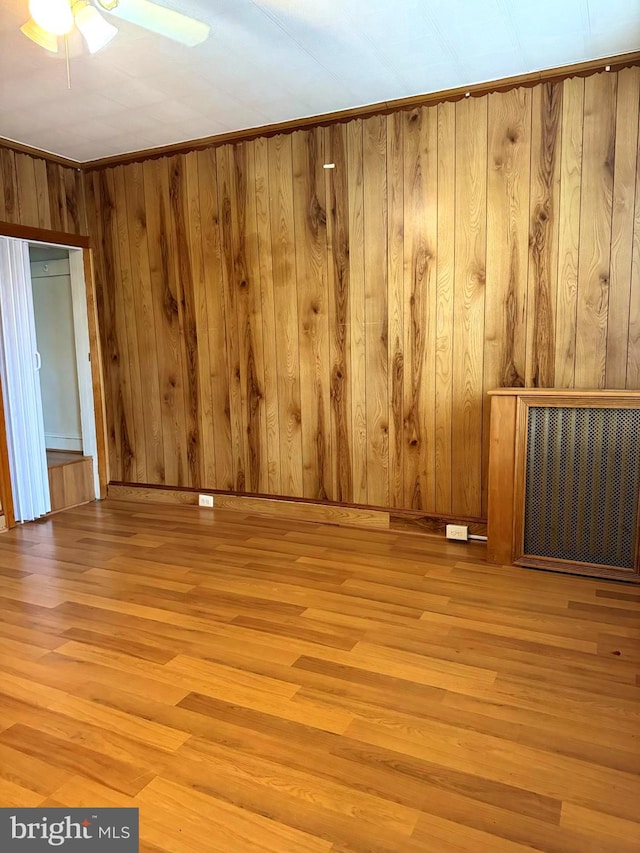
(458, 531)
(205, 500)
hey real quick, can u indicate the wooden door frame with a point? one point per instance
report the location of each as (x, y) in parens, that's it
(64, 241)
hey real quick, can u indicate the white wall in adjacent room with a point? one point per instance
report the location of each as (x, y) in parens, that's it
(56, 344)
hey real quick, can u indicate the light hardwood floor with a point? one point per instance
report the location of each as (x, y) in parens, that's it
(256, 684)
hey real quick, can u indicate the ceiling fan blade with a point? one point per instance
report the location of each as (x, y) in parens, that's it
(41, 37)
(159, 19)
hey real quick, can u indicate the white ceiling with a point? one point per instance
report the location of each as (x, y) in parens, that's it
(268, 61)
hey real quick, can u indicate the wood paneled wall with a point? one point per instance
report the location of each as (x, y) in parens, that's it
(274, 327)
(40, 193)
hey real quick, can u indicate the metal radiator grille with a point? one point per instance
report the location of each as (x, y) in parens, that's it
(582, 482)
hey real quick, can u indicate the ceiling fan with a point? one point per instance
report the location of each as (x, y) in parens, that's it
(51, 19)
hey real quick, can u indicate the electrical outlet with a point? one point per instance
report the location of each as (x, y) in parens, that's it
(205, 500)
(458, 531)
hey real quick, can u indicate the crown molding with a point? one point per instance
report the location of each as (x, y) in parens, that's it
(37, 152)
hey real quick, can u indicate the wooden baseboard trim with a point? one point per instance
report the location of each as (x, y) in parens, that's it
(322, 512)
(410, 522)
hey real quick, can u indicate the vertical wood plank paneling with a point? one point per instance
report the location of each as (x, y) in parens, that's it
(569, 232)
(183, 288)
(266, 315)
(376, 309)
(445, 268)
(204, 410)
(313, 313)
(171, 179)
(508, 161)
(31, 187)
(428, 449)
(546, 132)
(165, 310)
(420, 203)
(239, 284)
(357, 312)
(72, 189)
(509, 157)
(226, 202)
(337, 194)
(56, 194)
(197, 308)
(415, 271)
(116, 289)
(220, 426)
(136, 224)
(126, 318)
(469, 287)
(42, 194)
(332, 333)
(595, 230)
(113, 343)
(26, 189)
(626, 165)
(249, 317)
(97, 214)
(10, 210)
(395, 303)
(283, 243)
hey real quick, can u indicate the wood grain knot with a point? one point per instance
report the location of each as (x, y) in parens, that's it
(170, 304)
(317, 215)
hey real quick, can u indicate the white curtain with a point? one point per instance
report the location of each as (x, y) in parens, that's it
(19, 365)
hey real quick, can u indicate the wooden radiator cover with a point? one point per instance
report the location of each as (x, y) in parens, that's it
(564, 481)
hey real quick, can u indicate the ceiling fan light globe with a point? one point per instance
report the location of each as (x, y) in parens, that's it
(96, 31)
(53, 16)
(41, 37)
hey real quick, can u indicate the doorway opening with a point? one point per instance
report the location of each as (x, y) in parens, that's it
(50, 459)
(63, 359)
